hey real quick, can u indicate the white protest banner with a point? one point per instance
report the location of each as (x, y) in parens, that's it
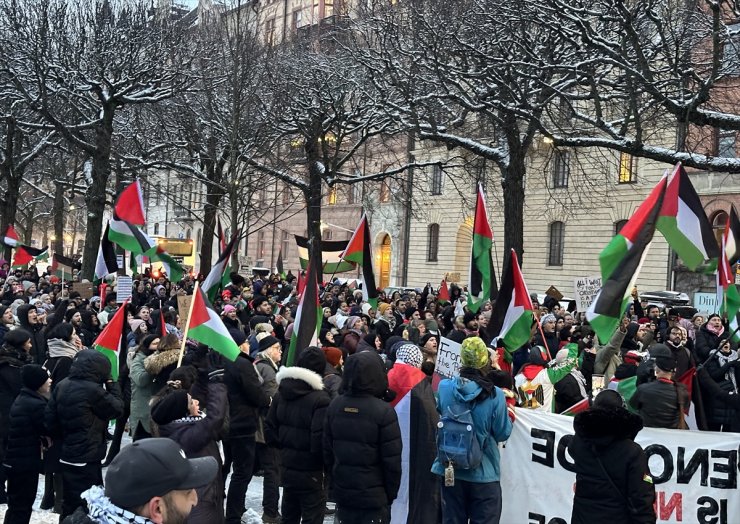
(585, 290)
(124, 287)
(695, 472)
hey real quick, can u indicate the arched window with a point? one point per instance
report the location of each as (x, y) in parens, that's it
(618, 225)
(557, 235)
(432, 242)
(719, 221)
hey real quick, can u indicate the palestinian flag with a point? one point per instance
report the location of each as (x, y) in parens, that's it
(307, 318)
(513, 311)
(130, 205)
(444, 292)
(482, 276)
(694, 413)
(417, 499)
(359, 251)
(621, 261)
(732, 238)
(173, 269)
(10, 238)
(683, 222)
(279, 264)
(109, 340)
(214, 280)
(301, 284)
(625, 387)
(578, 407)
(62, 266)
(129, 237)
(107, 263)
(206, 327)
(24, 254)
(331, 251)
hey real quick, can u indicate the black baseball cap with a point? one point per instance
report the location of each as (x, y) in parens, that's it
(153, 467)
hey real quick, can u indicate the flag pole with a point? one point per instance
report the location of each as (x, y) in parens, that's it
(544, 340)
(187, 325)
(495, 254)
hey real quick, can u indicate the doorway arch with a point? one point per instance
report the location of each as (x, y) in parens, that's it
(463, 241)
(385, 261)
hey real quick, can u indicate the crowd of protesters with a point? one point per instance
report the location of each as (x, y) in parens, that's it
(325, 429)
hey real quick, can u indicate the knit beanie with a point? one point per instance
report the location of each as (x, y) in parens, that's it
(171, 407)
(547, 318)
(268, 342)
(34, 376)
(473, 353)
(409, 354)
(312, 358)
(383, 307)
(333, 355)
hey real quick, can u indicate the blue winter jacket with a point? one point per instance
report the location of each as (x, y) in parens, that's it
(492, 425)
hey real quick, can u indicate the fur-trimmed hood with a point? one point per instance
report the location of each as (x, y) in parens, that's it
(601, 427)
(294, 382)
(156, 362)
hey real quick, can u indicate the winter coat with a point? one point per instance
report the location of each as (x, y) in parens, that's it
(332, 380)
(198, 437)
(383, 329)
(246, 396)
(61, 355)
(295, 425)
(531, 378)
(722, 373)
(4, 329)
(608, 356)
(160, 364)
(38, 340)
(11, 362)
(80, 408)
(550, 341)
(362, 439)
(706, 341)
(267, 370)
(491, 421)
(658, 401)
(25, 429)
(143, 387)
(731, 401)
(607, 435)
(569, 391)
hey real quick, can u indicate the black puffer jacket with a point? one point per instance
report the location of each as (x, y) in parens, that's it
(38, 339)
(657, 403)
(25, 430)
(295, 425)
(362, 439)
(80, 408)
(608, 435)
(11, 362)
(706, 341)
(719, 395)
(332, 380)
(246, 396)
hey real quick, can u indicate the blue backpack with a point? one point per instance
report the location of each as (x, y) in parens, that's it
(457, 443)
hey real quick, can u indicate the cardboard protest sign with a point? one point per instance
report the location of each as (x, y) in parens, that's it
(585, 290)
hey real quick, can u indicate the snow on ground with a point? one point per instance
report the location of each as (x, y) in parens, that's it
(253, 504)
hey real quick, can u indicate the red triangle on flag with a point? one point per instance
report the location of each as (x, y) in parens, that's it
(11, 235)
(130, 205)
(198, 310)
(481, 226)
(110, 337)
(301, 283)
(356, 246)
(444, 292)
(22, 257)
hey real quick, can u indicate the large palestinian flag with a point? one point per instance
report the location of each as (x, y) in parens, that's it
(359, 251)
(482, 285)
(417, 499)
(683, 222)
(206, 327)
(129, 237)
(109, 340)
(213, 281)
(331, 255)
(308, 318)
(621, 261)
(24, 254)
(62, 266)
(130, 205)
(732, 238)
(513, 312)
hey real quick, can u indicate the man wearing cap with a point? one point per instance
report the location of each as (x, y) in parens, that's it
(660, 402)
(246, 397)
(149, 482)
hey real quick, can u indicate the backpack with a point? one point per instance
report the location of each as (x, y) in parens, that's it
(457, 443)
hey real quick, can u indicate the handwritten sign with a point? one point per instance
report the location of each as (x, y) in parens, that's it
(586, 289)
(448, 358)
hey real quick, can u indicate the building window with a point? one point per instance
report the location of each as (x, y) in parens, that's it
(332, 198)
(618, 225)
(297, 21)
(323, 9)
(189, 234)
(156, 228)
(719, 222)
(560, 168)
(726, 144)
(326, 234)
(433, 242)
(270, 31)
(731, 51)
(385, 191)
(627, 169)
(285, 244)
(198, 238)
(286, 195)
(260, 245)
(437, 178)
(557, 234)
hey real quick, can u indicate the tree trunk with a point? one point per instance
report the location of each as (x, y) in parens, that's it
(313, 205)
(512, 182)
(57, 212)
(234, 217)
(10, 201)
(213, 199)
(95, 195)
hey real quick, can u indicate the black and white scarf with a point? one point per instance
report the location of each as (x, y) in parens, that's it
(102, 510)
